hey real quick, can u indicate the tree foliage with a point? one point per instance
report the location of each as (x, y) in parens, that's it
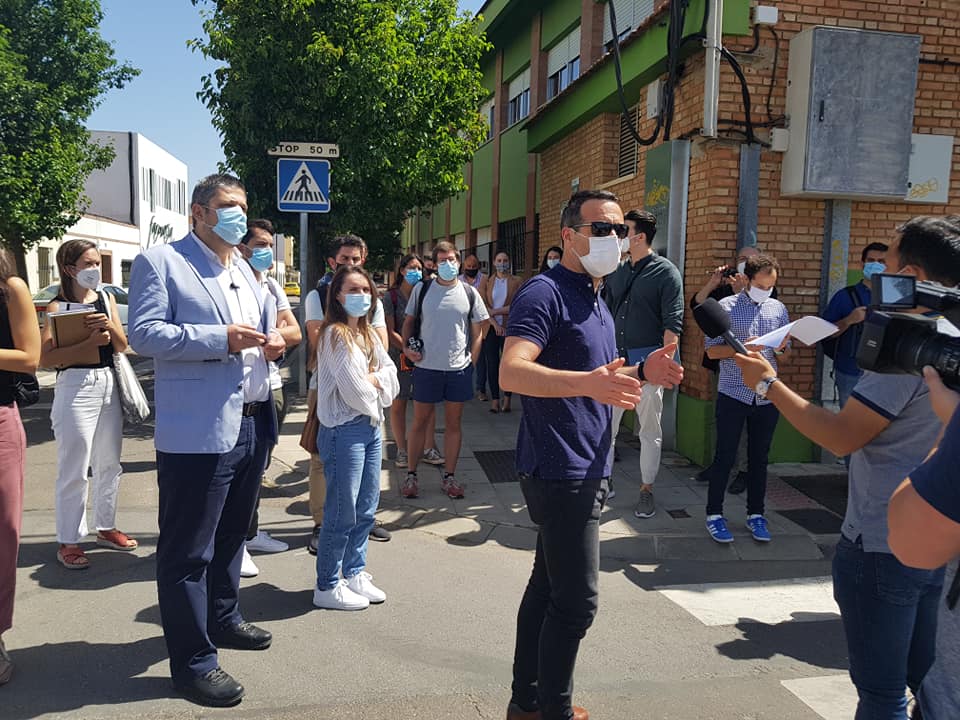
(54, 70)
(396, 83)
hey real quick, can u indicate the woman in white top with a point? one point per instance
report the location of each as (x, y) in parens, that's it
(87, 416)
(498, 292)
(356, 380)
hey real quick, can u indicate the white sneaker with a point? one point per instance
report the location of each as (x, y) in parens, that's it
(248, 568)
(266, 544)
(339, 597)
(362, 584)
(433, 457)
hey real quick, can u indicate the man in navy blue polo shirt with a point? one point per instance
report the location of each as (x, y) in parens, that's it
(561, 355)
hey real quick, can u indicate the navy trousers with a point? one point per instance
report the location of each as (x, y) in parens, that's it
(206, 504)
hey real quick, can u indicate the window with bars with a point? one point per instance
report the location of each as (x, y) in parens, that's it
(627, 149)
(43, 266)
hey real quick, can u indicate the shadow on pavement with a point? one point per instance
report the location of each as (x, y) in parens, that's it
(84, 674)
(813, 638)
(108, 568)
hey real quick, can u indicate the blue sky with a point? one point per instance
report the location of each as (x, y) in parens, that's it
(161, 103)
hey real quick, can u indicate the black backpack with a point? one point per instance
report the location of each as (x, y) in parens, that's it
(830, 345)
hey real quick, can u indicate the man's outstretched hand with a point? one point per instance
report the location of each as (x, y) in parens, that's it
(661, 369)
(608, 386)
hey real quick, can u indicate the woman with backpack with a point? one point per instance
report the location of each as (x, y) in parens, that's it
(19, 353)
(409, 273)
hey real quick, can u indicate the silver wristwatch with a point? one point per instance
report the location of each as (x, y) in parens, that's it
(764, 386)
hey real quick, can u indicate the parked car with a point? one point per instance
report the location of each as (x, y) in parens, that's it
(46, 296)
(292, 289)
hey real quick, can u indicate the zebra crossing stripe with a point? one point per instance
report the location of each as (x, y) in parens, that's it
(832, 697)
(761, 601)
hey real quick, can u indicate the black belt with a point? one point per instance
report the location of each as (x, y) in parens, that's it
(250, 409)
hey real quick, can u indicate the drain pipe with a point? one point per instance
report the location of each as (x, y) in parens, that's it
(711, 80)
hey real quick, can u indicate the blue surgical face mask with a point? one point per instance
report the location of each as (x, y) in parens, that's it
(357, 304)
(262, 259)
(873, 268)
(448, 270)
(413, 276)
(553, 262)
(231, 224)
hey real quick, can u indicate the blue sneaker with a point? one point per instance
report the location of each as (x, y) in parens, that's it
(757, 525)
(717, 527)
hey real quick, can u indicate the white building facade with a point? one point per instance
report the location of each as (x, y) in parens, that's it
(140, 200)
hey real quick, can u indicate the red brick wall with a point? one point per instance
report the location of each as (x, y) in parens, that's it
(790, 229)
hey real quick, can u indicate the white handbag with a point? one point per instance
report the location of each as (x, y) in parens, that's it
(133, 399)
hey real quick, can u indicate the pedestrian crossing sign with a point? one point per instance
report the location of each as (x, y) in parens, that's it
(303, 185)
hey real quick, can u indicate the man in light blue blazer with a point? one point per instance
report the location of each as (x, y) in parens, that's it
(198, 311)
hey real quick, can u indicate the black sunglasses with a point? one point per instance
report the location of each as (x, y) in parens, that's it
(602, 229)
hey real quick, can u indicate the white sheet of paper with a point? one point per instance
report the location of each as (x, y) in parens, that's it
(808, 330)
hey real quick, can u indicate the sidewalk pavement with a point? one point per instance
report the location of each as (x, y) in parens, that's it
(494, 509)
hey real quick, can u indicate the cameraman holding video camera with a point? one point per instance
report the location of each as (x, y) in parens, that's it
(889, 610)
(924, 518)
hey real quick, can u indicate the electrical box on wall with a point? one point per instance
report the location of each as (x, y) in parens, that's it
(850, 101)
(931, 163)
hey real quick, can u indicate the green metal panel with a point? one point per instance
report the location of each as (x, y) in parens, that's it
(516, 54)
(489, 80)
(482, 208)
(439, 221)
(492, 10)
(696, 435)
(425, 226)
(559, 18)
(695, 429)
(642, 60)
(513, 174)
(458, 213)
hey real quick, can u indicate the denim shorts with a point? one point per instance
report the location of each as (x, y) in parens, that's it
(434, 386)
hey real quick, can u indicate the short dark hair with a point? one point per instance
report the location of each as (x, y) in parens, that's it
(444, 246)
(933, 244)
(205, 189)
(571, 211)
(646, 223)
(257, 224)
(760, 264)
(873, 247)
(348, 240)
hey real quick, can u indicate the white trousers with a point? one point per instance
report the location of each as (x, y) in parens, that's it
(88, 426)
(648, 429)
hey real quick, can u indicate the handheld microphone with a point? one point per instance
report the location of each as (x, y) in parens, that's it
(716, 323)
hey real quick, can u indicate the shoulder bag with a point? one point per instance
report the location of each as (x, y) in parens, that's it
(133, 399)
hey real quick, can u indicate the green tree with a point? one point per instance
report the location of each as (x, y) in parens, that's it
(396, 83)
(54, 70)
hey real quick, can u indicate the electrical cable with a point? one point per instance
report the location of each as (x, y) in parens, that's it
(773, 74)
(744, 92)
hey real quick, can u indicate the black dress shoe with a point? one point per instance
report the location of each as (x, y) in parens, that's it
(380, 533)
(215, 689)
(739, 484)
(244, 636)
(314, 540)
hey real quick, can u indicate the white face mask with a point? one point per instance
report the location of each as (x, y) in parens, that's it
(758, 295)
(604, 256)
(741, 266)
(89, 278)
(625, 245)
(553, 262)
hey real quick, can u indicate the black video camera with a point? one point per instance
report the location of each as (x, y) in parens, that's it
(897, 342)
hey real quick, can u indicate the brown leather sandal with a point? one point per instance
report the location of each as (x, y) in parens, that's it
(116, 540)
(72, 557)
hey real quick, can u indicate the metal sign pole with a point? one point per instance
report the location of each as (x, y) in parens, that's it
(304, 226)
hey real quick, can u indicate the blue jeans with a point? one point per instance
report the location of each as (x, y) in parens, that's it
(889, 614)
(351, 455)
(845, 384)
